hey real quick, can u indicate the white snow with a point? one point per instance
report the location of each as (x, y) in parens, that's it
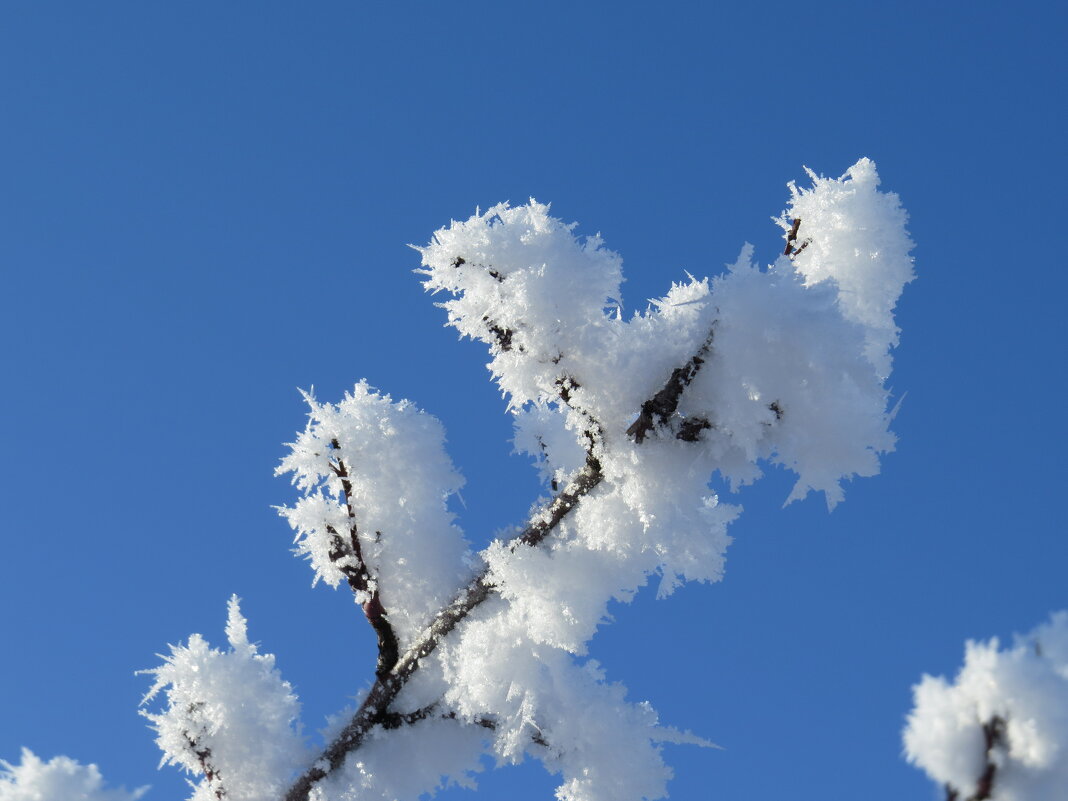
(58, 779)
(1025, 687)
(790, 363)
(230, 712)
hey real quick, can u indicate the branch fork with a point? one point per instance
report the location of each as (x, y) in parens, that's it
(394, 670)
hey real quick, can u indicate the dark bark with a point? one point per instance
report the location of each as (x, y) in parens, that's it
(994, 736)
(690, 429)
(502, 335)
(791, 238)
(211, 773)
(664, 404)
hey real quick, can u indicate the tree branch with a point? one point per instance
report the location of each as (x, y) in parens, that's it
(358, 576)
(375, 709)
(203, 755)
(791, 238)
(394, 720)
(660, 408)
(994, 735)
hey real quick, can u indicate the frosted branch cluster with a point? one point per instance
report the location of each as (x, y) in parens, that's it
(628, 417)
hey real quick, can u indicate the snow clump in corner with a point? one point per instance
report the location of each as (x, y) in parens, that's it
(1003, 721)
(58, 779)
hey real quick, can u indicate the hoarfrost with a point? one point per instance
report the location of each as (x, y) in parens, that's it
(1002, 725)
(398, 479)
(229, 716)
(628, 420)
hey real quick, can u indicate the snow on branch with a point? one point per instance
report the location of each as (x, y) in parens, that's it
(999, 731)
(664, 404)
(375, 478)
(631, 417)
(229, 717)
(628, 419)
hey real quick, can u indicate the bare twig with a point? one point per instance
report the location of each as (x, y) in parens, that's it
(791, 238)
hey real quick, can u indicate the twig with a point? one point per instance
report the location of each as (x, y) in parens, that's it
(211, 773)
(994, 735)
(690, 429)
(665, 403)
(489, 723)
(358, 576)
(502, 335)
(791, 238)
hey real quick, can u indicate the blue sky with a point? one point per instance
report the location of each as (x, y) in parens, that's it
(205, 206)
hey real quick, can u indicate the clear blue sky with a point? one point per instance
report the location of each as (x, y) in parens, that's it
(205, 206)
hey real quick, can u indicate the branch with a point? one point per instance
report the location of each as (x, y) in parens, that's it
(343, 554)
(394, 720)
(211, 773)
(663, 405)
(489, 723)
(503, 336)
(994, 735)
(375, 709)
(791, 238)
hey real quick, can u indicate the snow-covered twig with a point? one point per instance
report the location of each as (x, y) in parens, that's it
(348, 557)
(375, 709)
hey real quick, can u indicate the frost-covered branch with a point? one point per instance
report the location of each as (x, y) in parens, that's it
(348, 557)
(229, 717)
(1000, 730)
(791, 237)
(376, 707)
(212, 778)
(628, 420)
(993, 742)
(665, 403)
(796, 377)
